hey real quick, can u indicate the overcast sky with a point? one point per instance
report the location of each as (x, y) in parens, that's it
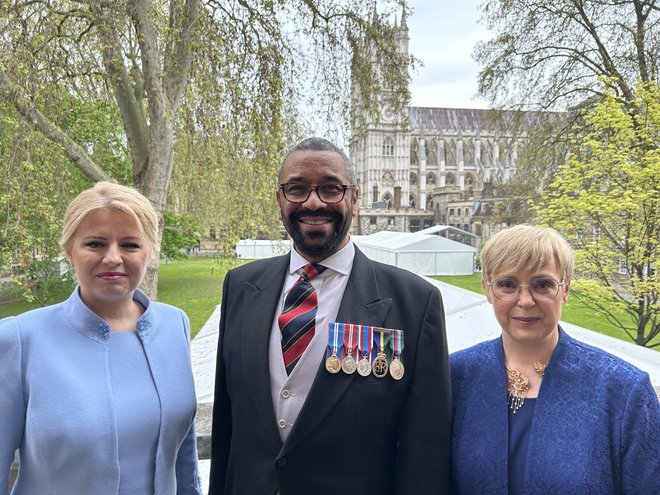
(443, 34)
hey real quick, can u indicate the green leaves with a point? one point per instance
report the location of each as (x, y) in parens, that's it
(606, 201)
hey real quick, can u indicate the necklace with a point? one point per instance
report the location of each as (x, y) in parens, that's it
(518, 385)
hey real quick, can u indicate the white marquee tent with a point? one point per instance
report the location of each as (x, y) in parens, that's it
(256, 249)
(420, 253)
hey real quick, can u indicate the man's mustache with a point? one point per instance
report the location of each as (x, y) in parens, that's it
(298, 215)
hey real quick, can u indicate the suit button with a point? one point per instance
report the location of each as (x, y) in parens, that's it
(281, 462)
(282, 423)
(286, 394)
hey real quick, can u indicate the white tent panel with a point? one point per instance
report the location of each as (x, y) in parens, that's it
(257, 249)
(420, 253)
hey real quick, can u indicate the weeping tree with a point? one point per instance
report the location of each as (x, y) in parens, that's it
(185, 78)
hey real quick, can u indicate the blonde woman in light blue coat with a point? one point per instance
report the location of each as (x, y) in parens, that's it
(97, 392)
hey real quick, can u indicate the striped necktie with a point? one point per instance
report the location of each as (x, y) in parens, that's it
(298, 319)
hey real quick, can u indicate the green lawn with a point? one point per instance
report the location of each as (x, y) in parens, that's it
(194, 285)
(574, 311)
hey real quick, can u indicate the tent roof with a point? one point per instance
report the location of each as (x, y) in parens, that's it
(441, 228)
(403, 241)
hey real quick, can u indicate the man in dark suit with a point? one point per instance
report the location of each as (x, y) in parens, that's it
(286, 418)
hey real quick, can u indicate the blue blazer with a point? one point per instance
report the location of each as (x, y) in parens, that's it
(56, 402)
(596, 426)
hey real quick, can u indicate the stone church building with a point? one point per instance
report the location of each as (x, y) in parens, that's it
(445, 169)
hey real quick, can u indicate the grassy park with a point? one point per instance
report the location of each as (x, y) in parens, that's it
(195, 285)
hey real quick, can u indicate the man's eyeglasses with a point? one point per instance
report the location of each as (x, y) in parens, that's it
(541, 289)
(297, 192)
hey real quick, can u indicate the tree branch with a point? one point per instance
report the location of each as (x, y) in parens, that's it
(15, 96)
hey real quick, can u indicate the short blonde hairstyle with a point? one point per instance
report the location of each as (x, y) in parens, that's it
(528, 248)
(117, 197)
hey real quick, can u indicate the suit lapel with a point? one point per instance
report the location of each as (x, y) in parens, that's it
(361, 303)
(260, 296)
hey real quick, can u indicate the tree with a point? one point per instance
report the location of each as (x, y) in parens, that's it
(232, 63)
(180, 232)
(555, 55)
(565, 56)
(606, 201)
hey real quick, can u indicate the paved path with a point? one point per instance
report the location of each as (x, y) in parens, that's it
(470, 320)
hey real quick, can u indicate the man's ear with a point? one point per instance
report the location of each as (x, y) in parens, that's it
(355, 197)
(278, 197)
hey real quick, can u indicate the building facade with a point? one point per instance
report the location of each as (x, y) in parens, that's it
(445, 168)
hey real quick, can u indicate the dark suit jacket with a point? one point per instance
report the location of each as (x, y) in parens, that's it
(354, 434)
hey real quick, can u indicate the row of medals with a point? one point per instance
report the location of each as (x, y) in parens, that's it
(379, 367)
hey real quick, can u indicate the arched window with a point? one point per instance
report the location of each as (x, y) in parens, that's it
(412, 200)
(431, 178)
(413, 179)
(388, 146)
(450, 179)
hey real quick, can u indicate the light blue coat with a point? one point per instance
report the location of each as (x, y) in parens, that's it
(56, 400)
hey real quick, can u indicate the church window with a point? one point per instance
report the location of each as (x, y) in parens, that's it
(413, 179)
(388, 179)
(412, 200)
(431, 178)
(450, 179)
(388, 146)
(468, 152)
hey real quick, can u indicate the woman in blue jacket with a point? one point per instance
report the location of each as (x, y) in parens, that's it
(97, 392)
(536, 411)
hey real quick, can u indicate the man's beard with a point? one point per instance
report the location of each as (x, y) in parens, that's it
(321, 244)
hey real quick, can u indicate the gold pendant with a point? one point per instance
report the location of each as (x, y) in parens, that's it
(332, 364)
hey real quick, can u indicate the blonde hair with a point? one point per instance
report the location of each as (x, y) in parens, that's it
(528, 248)
(117, 197)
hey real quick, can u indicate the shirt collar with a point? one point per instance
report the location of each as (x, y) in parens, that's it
(340, 262)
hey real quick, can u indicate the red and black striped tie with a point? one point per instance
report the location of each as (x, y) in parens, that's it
(298, 319)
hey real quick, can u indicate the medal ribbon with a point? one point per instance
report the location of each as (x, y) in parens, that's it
(382, 338)
(365, 340)
(349, 337)
(397, 342)
(335, 333)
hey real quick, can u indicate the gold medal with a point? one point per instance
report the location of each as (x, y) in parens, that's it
(396, 368)
(364, 366)
(333, 364)
(379, 366)
(348, 364)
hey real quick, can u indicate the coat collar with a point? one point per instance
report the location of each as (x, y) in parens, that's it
(92, 326)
